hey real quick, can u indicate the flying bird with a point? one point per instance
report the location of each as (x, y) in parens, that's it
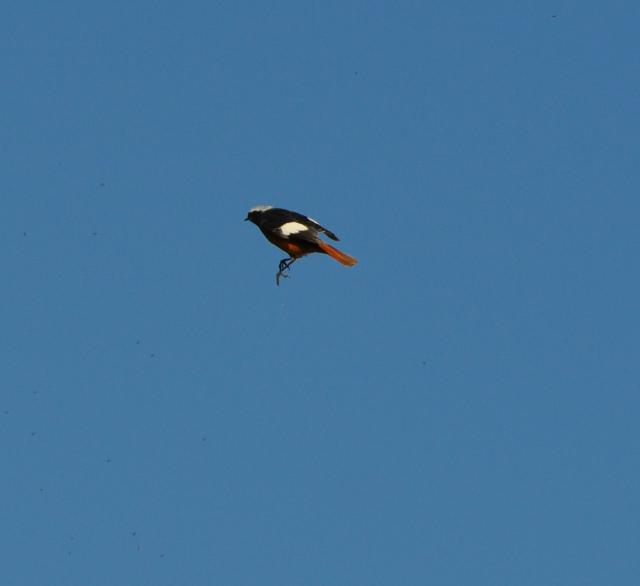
(296, 234)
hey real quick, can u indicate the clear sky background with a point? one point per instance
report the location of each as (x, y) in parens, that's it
(459, 408)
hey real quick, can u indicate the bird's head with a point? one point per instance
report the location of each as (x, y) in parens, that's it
(254, 214)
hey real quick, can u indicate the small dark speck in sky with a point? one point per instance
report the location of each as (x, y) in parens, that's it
(152, 355)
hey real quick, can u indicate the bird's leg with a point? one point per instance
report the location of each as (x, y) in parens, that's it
(285, 264)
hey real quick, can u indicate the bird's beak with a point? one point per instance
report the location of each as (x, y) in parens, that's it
(246, 219)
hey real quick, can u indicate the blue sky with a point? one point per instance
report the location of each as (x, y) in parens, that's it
(459, 408)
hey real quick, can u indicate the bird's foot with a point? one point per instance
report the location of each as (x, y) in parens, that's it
(280, 275)
(285, 265)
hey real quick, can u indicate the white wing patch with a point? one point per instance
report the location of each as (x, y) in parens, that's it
(292, 228)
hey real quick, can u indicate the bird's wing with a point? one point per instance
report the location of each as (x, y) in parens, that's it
(292, 225)
(312, 224)
(294, 230)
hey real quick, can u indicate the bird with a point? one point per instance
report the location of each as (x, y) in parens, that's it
(296, 234)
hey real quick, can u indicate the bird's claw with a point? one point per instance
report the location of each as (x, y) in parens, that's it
(280, 275)
(285, 265)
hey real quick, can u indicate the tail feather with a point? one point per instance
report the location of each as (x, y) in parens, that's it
(340, 256)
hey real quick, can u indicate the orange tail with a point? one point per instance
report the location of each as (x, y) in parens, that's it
(340, 256)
